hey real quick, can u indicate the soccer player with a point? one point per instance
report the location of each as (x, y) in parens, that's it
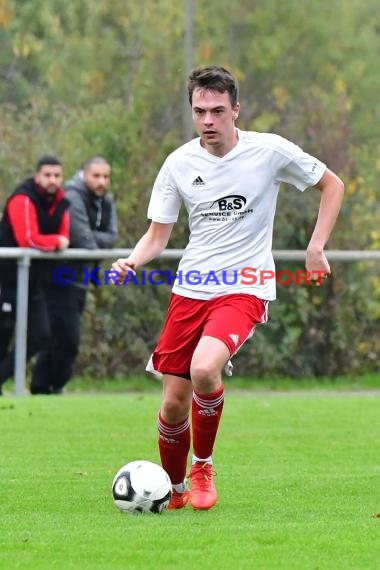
(228, 180)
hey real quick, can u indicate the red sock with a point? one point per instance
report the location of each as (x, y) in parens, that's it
(174, 445)
(206, 414)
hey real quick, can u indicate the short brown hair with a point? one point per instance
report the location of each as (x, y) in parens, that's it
(214, 79)
(47, 160)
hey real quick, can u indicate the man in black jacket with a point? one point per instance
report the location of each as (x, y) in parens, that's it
(93, 225)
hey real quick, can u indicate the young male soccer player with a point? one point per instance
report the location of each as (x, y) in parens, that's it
(228, 180)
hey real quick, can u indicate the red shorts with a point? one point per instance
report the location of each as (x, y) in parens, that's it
(230, 318)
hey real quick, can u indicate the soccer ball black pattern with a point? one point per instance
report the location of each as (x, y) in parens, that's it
(141, 487)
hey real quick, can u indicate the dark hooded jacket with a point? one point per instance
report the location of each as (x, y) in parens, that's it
(93, 222)
(49, 221)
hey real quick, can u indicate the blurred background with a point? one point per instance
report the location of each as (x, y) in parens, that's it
(92, 77)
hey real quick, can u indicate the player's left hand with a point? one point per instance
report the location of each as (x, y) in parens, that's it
(317, 266)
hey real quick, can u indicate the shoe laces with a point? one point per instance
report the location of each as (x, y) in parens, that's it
(201, 475)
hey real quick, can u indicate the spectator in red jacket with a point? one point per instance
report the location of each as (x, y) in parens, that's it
(35, 216)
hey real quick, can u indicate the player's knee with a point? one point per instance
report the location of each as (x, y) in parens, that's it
(174, 409)
(205, 376)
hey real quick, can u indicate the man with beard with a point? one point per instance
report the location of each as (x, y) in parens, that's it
(35, 216)
(92, 225)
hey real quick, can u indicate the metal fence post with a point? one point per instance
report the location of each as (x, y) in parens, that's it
(21, 323)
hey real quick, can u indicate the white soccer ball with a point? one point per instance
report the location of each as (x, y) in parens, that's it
(141, 487)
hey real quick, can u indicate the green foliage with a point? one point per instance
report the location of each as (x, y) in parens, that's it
(121, 325)
(323, 332)
(86, 77)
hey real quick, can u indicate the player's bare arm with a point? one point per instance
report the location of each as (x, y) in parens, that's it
(332, 190)
(152, 243)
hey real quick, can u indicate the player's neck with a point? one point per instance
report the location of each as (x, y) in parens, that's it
(224, 147)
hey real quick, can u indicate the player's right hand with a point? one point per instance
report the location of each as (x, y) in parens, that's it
(122, 267)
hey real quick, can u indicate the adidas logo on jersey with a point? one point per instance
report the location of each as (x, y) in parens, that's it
(198, 182)
(234, 338)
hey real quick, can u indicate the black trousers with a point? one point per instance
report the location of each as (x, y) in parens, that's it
(54, 364)
(37, 328)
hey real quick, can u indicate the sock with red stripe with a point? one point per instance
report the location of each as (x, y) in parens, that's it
(206, 413)
(174, 445)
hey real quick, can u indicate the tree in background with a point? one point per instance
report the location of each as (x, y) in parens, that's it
(90, 76)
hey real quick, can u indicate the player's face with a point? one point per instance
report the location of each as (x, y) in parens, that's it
(97, 178)
(214, 120)
(49, 177)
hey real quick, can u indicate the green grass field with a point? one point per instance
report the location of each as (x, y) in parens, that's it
(298, 482)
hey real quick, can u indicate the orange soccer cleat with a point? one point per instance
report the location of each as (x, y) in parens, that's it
(178, 500)
(203, 494)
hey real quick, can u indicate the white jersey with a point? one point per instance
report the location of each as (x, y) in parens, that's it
(231, 202)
